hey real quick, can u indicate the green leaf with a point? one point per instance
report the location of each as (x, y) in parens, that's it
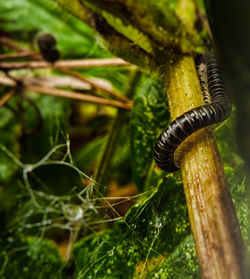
(181, 264)
(149, 117)
(156, 226)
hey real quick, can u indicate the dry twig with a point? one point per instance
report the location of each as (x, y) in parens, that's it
(79, 96)
(11, 44)
(62, 64)
(7, 96)
(50, 81)
(18, 55)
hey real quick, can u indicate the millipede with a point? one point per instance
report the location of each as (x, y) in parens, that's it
(217, 108)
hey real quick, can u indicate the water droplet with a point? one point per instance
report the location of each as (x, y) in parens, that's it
(72, 212)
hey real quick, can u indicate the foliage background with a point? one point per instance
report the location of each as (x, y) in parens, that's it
(61, 200)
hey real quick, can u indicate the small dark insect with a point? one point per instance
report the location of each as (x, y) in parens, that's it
(193, 120)
(46, 44)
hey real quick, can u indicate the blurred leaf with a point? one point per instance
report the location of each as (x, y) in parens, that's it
(118, 76)
(225, 138)
(10, 133)
(120, 159)
(75, 38)
(236, 177)
(30, 257)
(55, 113)
(87, 156)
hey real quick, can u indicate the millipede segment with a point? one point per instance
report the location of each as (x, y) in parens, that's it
(193, 120)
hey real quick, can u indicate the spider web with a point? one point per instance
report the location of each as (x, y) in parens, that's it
(71, 212)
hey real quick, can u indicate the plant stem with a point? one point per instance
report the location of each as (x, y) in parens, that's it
(216, 231)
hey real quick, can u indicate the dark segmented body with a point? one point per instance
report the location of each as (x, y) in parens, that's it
(202, 73)
(193, 120)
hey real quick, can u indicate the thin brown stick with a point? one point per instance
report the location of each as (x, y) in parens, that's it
(18, 55)
(11, 44)
(96, 85)
(216, 231)
(49, 81)
(7, 81)
(58, 81)
(78, 96)
(79, 63)
(7, 96)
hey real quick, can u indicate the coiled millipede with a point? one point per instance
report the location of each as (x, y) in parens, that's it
(216, 109)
